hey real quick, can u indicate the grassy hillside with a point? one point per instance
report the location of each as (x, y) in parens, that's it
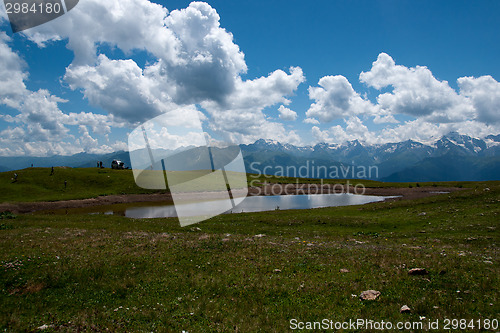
(37, 184)
(254, 272)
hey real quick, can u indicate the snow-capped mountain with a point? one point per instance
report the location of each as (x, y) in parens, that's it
(460, 144)
(395, 160)
(355, 151)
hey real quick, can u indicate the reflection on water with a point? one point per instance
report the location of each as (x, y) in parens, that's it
(257, 204)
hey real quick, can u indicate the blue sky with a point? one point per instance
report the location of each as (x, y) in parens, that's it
(293, 71)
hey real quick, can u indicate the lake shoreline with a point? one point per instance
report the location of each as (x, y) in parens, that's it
(266, 190)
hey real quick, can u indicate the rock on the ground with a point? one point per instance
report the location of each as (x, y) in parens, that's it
(418, 271)
(369, 295)
(405, 309)
(343, 270)
(44, 327)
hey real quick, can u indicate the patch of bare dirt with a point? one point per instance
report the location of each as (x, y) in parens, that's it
(28, 207)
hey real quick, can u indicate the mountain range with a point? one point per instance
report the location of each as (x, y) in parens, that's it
(452, 157)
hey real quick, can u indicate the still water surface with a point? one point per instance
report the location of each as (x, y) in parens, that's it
(257, 204)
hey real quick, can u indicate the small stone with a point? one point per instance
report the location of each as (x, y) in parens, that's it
(369, 295)
(418, 271)
(259, 236)
(488, 262)
(277, 270)
(422, 214)
(343, 270)
(195, 229)
(405, 309)
(44, 327)
(202, 237)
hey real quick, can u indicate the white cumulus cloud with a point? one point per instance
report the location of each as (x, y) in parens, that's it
(122, 88)
(484, 93)
(196, 62)
(240, 118)
(416, 92)
(12, 87)
(335, 98)
(198, 59)
(354, 129)
(287, 114)
(437, 108)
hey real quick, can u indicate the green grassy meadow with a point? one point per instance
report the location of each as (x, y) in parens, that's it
(37, 184)
(250, 272)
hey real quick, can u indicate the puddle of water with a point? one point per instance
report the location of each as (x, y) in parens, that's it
(250, 204)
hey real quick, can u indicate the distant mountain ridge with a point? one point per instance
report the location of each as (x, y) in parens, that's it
(456, 156)
(80, 160)
(355, 151)
(451, 157)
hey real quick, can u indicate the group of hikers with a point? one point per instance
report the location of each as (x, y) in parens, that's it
(14, 179)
